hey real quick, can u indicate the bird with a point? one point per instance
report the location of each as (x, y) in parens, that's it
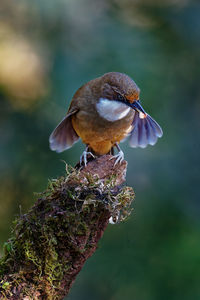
(103, 112)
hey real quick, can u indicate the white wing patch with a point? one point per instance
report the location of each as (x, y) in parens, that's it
(112, 110)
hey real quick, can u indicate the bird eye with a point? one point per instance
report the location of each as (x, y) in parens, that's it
(120, 97)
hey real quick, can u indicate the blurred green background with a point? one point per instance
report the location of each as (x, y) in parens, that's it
(47, 50)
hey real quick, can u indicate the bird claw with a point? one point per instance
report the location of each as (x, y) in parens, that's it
(83, 157)
(119, 157)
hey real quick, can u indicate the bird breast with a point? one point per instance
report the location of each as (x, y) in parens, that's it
(112, 110)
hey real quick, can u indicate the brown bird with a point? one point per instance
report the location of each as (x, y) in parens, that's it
(102, 113)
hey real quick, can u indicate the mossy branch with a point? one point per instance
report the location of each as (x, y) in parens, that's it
(60, 232)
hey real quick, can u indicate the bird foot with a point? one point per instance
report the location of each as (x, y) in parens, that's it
(83, 157)
(119, 157)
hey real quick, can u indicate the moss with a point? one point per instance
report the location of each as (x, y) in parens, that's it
(60, 227)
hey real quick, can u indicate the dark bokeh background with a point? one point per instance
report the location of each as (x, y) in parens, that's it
(47, 50)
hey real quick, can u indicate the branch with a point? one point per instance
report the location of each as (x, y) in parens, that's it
(51, 243)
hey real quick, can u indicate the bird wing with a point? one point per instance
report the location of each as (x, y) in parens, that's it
(64, 135)
(145, 131)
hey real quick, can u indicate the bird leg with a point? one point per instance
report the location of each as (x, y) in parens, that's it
(120, 156)
(83, 157)
(111, 152)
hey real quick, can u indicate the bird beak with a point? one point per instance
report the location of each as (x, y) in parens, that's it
(138, 107)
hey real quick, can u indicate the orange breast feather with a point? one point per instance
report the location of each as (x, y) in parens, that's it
(98, 134)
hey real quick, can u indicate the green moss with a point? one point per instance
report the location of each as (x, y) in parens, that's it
(31, 254)
(5, 285)
(7, 247)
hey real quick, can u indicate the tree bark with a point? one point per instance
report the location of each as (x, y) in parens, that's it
(51, 243)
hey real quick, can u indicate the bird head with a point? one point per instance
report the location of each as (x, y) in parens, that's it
(120, 87)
